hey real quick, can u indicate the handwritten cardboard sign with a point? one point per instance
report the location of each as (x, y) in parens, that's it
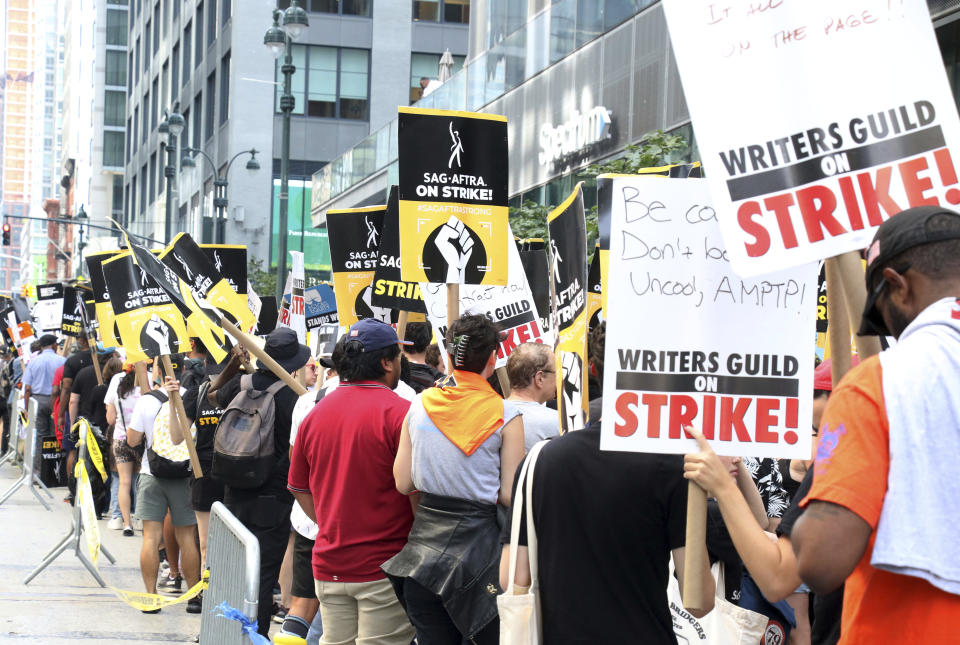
(817, 120)
(690, 343)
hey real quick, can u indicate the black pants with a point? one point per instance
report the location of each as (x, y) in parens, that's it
(434, 627)
(268, 518)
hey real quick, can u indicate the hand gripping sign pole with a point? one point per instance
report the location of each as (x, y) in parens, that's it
(78, 523)
(180, 418)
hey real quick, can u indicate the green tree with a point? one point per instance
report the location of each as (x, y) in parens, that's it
(264, 282)
(529, 220)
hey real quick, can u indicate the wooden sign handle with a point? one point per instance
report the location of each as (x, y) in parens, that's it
(504, 381)
(140, 369)
(838, 326)
(695, 549)
(850, 270)
(180, 418)
(96, 361)
(247, 341)
(402, 324)
(67, 345)
(453, 303)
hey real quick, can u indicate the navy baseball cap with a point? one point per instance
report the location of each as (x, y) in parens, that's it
(373, 334)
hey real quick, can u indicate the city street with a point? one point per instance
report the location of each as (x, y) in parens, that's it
(64, 604)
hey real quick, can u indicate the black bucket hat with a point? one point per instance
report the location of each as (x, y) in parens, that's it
(894, 236)
(282, 346)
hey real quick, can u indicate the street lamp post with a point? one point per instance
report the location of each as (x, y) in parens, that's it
(82, 217)
(219, 184)
(169, 130)
(280, 40)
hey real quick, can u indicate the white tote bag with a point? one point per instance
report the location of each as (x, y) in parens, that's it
(727, 624)
(520, 613)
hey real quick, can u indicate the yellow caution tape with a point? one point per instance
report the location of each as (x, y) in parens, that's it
(93, 449)
(137, 599)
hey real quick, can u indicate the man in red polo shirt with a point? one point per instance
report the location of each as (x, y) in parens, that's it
(341, 472)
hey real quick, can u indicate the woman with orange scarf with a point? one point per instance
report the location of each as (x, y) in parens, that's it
(459, 448)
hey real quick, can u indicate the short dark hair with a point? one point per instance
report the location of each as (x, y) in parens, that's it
(420, 334)
(596, 344)
(526, 360)
(198, 346)
(358, 365)
(938, 260)
(470, 341)
(336, 356)
(432, 356)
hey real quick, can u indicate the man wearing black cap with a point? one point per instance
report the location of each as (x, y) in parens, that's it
(266, 510)
(885, 489)
(341, 472)
(38, 381)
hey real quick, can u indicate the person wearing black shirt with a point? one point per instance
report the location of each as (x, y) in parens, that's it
(265, 511)
(420, 376)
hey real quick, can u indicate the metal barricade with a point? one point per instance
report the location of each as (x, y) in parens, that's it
(233, 557)
(12, 427)
(29, 478)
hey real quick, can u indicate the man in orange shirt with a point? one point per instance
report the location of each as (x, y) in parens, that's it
(885, 494)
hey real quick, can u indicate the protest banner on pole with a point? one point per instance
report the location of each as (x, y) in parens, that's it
(48, 311)
(72, 314)
(150, 324)
(796, 180)
(292, 309)
(106, 325)
(594, 292)
(390, 290)
(453, 196)
(354, 236)
(533, 257)
(230, 261)
(567, 252)
(320, 306)
(510, 306)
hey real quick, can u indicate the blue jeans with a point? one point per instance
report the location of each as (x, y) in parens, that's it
(115, 494)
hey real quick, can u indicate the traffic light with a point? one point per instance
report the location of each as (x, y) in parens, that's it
(6, 234)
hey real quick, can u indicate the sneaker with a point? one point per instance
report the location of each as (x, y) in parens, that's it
(170, 585)
(116, 523)
(280, 615)
(164, 569)
(195, 605)
(127, 531)
(151, 611)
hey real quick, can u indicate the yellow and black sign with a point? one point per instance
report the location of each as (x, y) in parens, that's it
(149, 322)
(453, 196)
(106, 324)
(567, 252)
(594, 291)
(354, 238)
(390, 291)
(190, 263)
(73, 313)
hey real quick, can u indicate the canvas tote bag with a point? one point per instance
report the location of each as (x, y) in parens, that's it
(520, 613)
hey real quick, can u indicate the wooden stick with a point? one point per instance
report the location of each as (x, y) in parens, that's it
(504, 381)
(67, 345)
(453, 303)
(247, 341)
(140, 369)
(838, 328)
(850, 269)
(695, 549)
(402, 324)
(96, 361)
(179, 417)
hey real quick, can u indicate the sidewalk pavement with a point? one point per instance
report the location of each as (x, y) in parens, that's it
(64, 604)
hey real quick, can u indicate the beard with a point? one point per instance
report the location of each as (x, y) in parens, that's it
(897, 320)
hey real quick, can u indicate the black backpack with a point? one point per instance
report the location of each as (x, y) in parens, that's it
(161, 466)
(244, 445)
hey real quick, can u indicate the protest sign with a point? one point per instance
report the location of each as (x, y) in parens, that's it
(390, 291)
(835, 116)
(72, 313)
(149, 323)
(48, 311)
(453, 196)
(230, 261)
(267, 318)
(510, 306)
(320, 306)
(354, 235)
(190, 263)
(106, 325)
(688, 342)
(533, 257)
(594, 292)
(292, 308)
(568, 278)
(323, 339)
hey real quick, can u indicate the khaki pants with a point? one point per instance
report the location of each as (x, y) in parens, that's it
(364, 613)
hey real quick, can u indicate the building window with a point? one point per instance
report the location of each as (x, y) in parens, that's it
(114, 107)
(176, 8)
(329, 82)
(115, 73)
(198, 44)
(187, 35)
(126, 205)
(113, 148)
(136, 67)
(145, 126)
(146, 47)
(185, 135)
(116, 202)
(211, 104)
(120, 2)
(129, 136)
(225, 88)
(212, 23)
(198, 113)
(164, 80)
(226, 7)
(427, 66)
(455, 11)
(342, 7)
(143, 189)
(156, 27)
(155, 99)
(117, 27)
(153, 177)
(129, 71)
(133, 198)
(175, 67)
(136, 128)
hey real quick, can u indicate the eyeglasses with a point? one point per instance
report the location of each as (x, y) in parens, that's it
(547, 371)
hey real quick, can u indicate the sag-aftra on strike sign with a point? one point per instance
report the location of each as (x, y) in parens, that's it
(817, 120)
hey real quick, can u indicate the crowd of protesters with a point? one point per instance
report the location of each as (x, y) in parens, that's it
(382, 515)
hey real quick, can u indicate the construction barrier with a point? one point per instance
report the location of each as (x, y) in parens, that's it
(28, 477)
(233, 558)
